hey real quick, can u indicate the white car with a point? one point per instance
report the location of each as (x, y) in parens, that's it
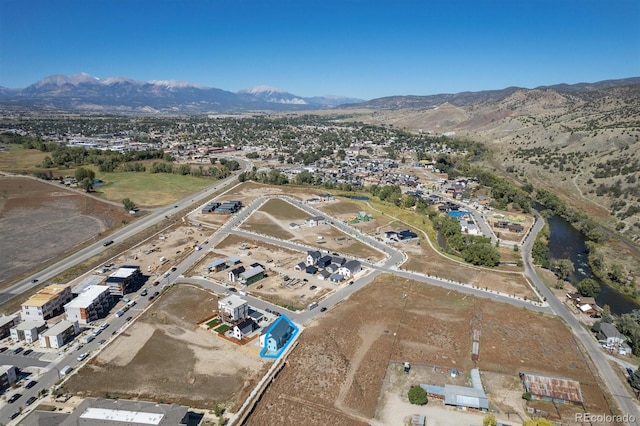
(82, 356)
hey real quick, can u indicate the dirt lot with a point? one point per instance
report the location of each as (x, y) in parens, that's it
(164, 356)
(274, 218)
(336, 373)
(39, 222)
(293, 294)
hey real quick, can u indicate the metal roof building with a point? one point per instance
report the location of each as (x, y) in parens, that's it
(461, 396)
(549, 388)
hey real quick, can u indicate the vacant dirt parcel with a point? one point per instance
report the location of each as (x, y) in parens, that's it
(335, 374)
(165, 357)
(40, 221)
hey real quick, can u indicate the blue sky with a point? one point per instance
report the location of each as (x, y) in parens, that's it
(357, 48)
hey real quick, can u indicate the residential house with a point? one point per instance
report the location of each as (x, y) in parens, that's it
(350, 268)
(312, 257)
(315, 221)
(278, 336)
(515, 227)
(338, 260)
(336, 278)
(324, 275)
(311, 269)
(253, 274)
(234, 274)
(611, 334)
(233, 309)
(300, 266)
(323, 261)
(216, 265)
(244, 328)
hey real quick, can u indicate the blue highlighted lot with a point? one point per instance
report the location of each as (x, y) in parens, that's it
(277, 337)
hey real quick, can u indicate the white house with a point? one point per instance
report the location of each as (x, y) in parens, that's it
(350, 268)
(244, 328)
(611, 334)
(312, 257)
(93, 303)
(233, 308)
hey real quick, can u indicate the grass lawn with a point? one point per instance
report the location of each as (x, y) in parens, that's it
(16, 158)
(149, 189)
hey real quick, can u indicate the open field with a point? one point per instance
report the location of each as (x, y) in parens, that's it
(18, 159)
(164, 356)
(336, 372)
(149, 189)
(40, 222)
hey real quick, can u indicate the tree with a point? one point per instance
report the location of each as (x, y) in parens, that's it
(417, 395)
(563, 268)
(489, 420)
(86, 184)
(81, 174)
(588, 287)
(634, 379)
(128, 204)
(538, 422)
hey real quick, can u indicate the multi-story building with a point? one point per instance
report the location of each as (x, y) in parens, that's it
(233, 309)
(123, 280)
(46, 303)
(28, 330)
(8, 376)
(93, 303)
(6, 324)
(58, 335)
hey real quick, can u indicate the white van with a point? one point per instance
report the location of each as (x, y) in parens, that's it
(66, 370)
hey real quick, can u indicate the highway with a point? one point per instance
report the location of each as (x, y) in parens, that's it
(620, 390)
(120, 235)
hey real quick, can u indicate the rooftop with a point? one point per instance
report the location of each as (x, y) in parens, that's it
(232, 301)
(58, 328)
(45, 295)
(87, 297)
(124, 272)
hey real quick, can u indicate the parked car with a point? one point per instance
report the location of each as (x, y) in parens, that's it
(31, 400)
(82, 356)
(155, 293)
(173, 268)
(102, 341)
(107, 243)
(129, 318)
(313, 287)
(31, 384)
(629, 372)
(323, 309)
(27, 352)
(14, 398)
(104, 326)
(14, 415)
(156, 283)
(151, 297)
(4, 348)
(143, 292)
(17, 350)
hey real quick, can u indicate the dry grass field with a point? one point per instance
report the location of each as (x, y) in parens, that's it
(275, 216)
(336, 373)
(40, 222)
(164, 356)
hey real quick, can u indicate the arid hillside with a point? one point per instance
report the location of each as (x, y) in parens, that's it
(582, 141)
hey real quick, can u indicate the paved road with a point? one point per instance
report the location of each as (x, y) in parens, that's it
(619, 390)
(120, 235)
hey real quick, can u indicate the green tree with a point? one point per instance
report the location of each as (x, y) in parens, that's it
(538, 422)
(563, 268)
(417, 395)
(588, 287)
(81, 173)
(128, 204)
(86, 184)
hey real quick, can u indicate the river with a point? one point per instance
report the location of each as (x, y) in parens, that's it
(565, 242)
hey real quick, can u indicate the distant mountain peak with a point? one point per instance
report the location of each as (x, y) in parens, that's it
(173, 84)
(261, 90)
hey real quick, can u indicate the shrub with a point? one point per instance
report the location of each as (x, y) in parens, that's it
(417, 395)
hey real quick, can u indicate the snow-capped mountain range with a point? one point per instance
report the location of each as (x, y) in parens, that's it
(86, 92)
